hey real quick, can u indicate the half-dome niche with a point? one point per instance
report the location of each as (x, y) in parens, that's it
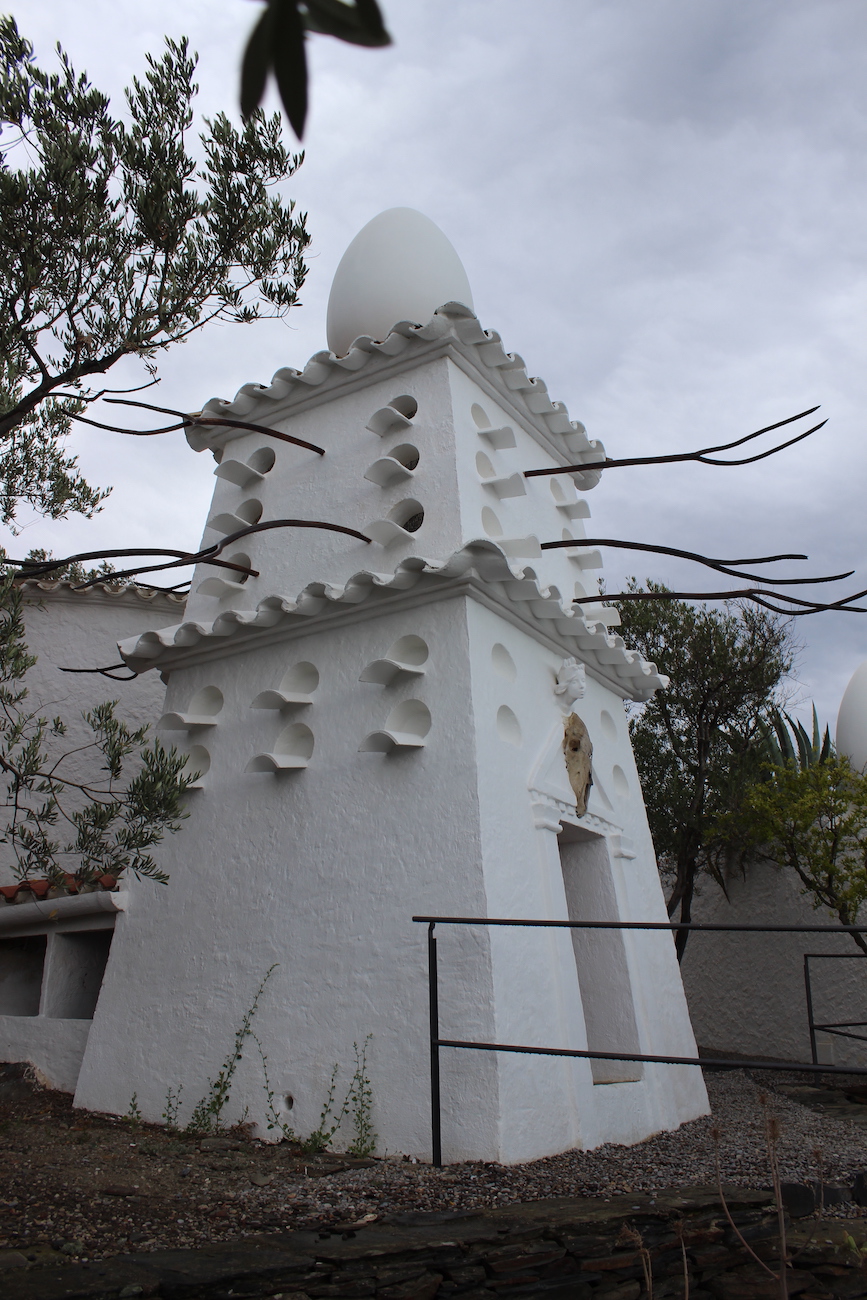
(567, 501)
(227, 582)
(292, 750)
(499, 439)
(245, 472)
(511, 485)
(586, 558)
(202, 711)
(296, 688)
(249, 512)
(397, 416)
(399, 525)
(508, 726)
(525, 547)
(198, 761)
(399, 464)
(405, 728)
(406, 658)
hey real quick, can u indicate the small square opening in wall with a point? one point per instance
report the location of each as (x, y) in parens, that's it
(21, 964)
(74, 974)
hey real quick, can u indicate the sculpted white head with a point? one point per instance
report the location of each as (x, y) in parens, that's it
(400, 266)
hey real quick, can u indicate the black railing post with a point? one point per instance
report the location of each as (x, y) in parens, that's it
(708, 1063)
(433, 991)
(809, 991)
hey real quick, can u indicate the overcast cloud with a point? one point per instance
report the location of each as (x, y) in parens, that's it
(660, 205)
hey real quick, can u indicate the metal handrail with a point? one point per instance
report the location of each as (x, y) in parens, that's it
(835, 1027)
(714, 1062)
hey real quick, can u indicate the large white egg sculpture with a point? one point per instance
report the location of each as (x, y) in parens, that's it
(400, 266)
(852, 720)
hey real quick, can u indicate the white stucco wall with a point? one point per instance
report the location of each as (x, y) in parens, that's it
(80, 629)
(318, 870)
(54, 1048)
(321, 870)
(746, 991)
(459, 507)
(67, 628)
(524, 876)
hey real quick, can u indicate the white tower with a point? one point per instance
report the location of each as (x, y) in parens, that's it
(380, 727)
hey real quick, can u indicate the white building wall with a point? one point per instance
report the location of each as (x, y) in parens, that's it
(524, 797)
(80, 629)
(319, 870)
(75, 629)
(746, 991)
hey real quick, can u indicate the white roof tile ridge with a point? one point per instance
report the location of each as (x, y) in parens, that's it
(483, 556)
(107, 588)
(452, 319)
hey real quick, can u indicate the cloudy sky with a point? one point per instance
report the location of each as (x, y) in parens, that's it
(660, 205)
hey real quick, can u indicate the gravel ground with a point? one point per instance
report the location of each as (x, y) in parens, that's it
(810, 1144)
(92, 1185)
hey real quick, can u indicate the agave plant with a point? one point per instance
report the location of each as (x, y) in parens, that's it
(787, 742)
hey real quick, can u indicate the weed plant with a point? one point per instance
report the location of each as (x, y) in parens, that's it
(361, 1102)
(171, 1107)
(286, 1131)
(328, 1124)
(133, 1116)
(206, 1117)
(358, 1103)
(208, 1111)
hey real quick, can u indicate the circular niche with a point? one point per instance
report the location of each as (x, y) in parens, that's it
(557, 492)
(198, 761)
(406, 455)
(621, 785)
(485, 466)
(503, 663)
(406, 406)
(508, 726)
(480, 416)
(408, 514)
(250, 511)
(491, 523)
(263, 460)
(232, 575)
(206, 703)
(302, 678)
(609, 726)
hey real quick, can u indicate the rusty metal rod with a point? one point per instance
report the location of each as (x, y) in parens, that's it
(721, 566)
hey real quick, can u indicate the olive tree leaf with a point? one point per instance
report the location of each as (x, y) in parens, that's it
(277, 44)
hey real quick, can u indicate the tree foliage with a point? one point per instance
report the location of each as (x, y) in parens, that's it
(698, 743)
(812, 818)
(276, 44)
(59, 826)
(807, 811)
(115, 242)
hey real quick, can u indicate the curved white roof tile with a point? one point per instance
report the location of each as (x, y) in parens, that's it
(452, 323)
(533, 601)
(108, 590)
